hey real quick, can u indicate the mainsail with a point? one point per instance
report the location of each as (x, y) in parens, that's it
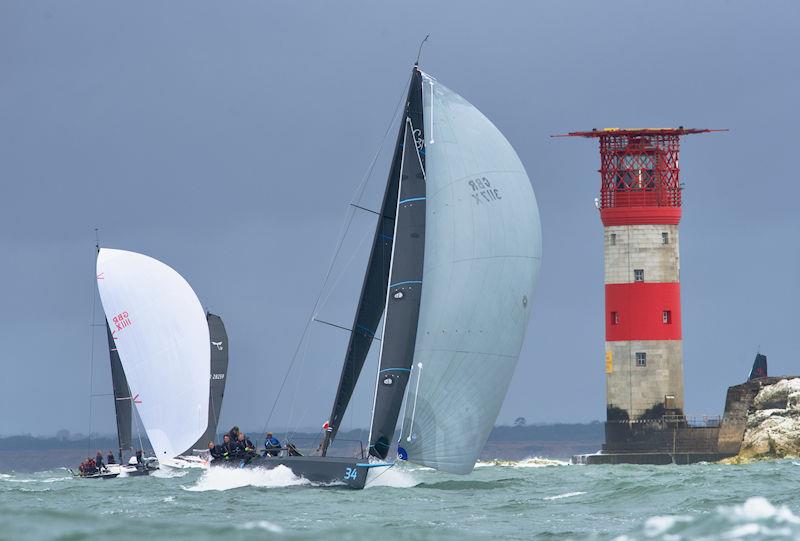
(482, 258)
(161, 334)
(218, 376)
(122, 397)
(373, 291)
(405, 280)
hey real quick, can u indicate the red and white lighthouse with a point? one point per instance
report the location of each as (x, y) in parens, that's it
(640, 207)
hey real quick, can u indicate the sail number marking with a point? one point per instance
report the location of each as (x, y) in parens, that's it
(122, 320)
(483, 191)
(350, 473)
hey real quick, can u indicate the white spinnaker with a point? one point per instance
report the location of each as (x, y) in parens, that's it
(162, 337)
(482, 257)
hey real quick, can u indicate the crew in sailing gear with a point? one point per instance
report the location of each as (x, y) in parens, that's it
(233, 434)
(216, 451)
(228, 448)
(98, 459)
(244, 447)
(89, 467)
(272, 447)
(139, 459)
(110, 458)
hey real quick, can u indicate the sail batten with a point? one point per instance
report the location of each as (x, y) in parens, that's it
(481, 264)
(162, 337)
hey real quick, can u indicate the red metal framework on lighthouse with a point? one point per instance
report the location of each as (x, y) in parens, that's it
(640, 175)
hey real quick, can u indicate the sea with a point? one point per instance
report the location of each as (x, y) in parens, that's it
(528, 499)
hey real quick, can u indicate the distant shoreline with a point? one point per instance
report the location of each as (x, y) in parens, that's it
(558, 440)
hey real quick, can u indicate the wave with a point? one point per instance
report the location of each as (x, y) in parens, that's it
(169, 473)
(271, 527)
(396, 477)
(756, 518)
(532, 462)
(562, 496)
(228, 478)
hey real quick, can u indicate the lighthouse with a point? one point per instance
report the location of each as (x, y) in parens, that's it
(640, 208)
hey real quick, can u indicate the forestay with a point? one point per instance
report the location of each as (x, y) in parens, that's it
(482, 258)
(162, 338)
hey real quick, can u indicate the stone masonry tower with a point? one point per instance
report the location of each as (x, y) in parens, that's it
(640, 207)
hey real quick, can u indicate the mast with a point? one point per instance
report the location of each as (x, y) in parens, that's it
(373, 289)
(405, 278)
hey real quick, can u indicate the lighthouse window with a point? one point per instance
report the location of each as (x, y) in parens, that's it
(666, 316)
(664, 238)
(641, 358)
(612, 239)
(615, 318)
(638, 275)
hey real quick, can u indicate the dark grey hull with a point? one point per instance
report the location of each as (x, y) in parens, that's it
(351, 472)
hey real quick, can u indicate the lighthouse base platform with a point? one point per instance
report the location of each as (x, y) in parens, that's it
(677, 439)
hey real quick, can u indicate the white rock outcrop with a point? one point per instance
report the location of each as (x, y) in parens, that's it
(773, 425)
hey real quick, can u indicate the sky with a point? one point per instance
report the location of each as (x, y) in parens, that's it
(227, 140)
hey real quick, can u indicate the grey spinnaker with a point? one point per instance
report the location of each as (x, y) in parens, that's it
(122, 397)
(219, 375)
(482, 258)
(405, 280)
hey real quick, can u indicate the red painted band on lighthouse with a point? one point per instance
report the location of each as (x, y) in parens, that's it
(643, 311)
(640, 215)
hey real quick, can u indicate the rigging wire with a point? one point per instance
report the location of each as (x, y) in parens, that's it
(91, 349)
(348, 220)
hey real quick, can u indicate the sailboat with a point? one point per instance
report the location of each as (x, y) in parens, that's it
(196, 456)
(452, 271)
(160, 337)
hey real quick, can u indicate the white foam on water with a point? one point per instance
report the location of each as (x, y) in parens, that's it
(229, 478)
(759, 508)
(5, 476)
(532, 462)
(659, 525)
(398, 476)
(562, 496)
(261, 525)
(168, 473)
(46, 480)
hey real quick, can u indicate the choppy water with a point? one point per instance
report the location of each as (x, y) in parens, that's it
(506, 500)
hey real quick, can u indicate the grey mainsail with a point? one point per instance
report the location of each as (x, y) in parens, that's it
(481, 265)
(373, 292)
(405, 281)
(122, 397)
(219, 375)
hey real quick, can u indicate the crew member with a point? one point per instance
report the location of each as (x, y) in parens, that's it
(215, 451)
(228, 448)
(98, 459)
(233, 434)
(139, 459)
(272, 446)
(244, 447)
(110, 458)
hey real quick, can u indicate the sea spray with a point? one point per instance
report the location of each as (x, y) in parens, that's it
(222, 478)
